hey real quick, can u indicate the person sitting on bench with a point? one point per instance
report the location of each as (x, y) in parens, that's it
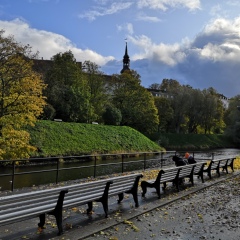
(179, 161)
(190, 158)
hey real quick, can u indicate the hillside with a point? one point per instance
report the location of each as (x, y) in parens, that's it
(62, 139)
(173, 141)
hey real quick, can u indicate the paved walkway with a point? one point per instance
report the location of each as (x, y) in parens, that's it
(209, 210)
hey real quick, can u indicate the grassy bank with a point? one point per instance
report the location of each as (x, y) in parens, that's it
(195, 141)
(64, 139)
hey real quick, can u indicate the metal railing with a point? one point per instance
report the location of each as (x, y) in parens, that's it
(124, 160)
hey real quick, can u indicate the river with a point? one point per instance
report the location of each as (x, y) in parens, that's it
(70, 170)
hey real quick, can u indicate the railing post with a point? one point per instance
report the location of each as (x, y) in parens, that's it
(122, 163)
(145, 159)
(161, 159)
(95, 166)
(13, 176)
(57, 171)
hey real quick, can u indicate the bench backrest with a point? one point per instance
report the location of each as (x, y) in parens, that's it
(168, 174)
(122, 184)
(220, 162)
(199, 166)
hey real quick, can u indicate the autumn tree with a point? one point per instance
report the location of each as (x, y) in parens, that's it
(21, 99)
(135, 103)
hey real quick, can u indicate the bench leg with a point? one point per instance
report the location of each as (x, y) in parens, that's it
(145, 185)
(105, 208)
(225, 168)
(157, 187)
(144, 188)
(104, 201)
(209, 173)
(57, 212)
(201, 176)
(58, 217)
(120, 197)
(90, 207)
(42, 218)
(176, 182)
(231, 165)
(135, 198)
(192, 180)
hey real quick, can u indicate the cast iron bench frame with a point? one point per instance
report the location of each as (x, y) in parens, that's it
(19, 207)
(217, 164)
(198, 170)
(174, 175)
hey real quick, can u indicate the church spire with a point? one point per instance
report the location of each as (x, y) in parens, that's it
(126, 60)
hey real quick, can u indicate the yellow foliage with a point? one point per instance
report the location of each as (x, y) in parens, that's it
(21, 99)
(237, 163)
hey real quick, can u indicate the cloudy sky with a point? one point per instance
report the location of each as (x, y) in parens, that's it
(195, 42)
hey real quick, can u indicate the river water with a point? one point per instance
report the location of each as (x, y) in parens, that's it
(70, 170)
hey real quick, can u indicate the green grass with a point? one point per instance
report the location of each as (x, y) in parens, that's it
(64, 139)
(195, 141)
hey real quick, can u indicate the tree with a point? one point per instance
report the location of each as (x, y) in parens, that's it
(64, 73)
(112, 116)
(135, 103)
(212, 113)
(165, 113)
(232, 120)
(155, 86)
(21, 99)
(98, 97)
(195, 109)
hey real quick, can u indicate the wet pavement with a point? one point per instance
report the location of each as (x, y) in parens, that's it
(209, 210)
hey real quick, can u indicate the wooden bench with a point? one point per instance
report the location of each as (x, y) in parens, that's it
(198, 170)
(217, 164)
(125, 184)
(174, 175)
(18, 207)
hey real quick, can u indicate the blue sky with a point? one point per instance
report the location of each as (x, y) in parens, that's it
(196, 42)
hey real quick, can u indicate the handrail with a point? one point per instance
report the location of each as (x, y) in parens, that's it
(163, 156)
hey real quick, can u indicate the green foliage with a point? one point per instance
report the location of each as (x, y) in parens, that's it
(232, 120)
(135, 103)
(112, 116)
(98, 96)
(165, 113)
(173, 141)
(60, 78)
(61, 138)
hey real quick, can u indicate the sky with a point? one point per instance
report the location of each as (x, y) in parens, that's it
(196, 42)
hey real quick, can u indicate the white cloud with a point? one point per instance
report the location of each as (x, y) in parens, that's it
(167, 54)
(128, 27)
(102, 11)
(144, 17)
(212, 59)
(48, 44)
(165, 4)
